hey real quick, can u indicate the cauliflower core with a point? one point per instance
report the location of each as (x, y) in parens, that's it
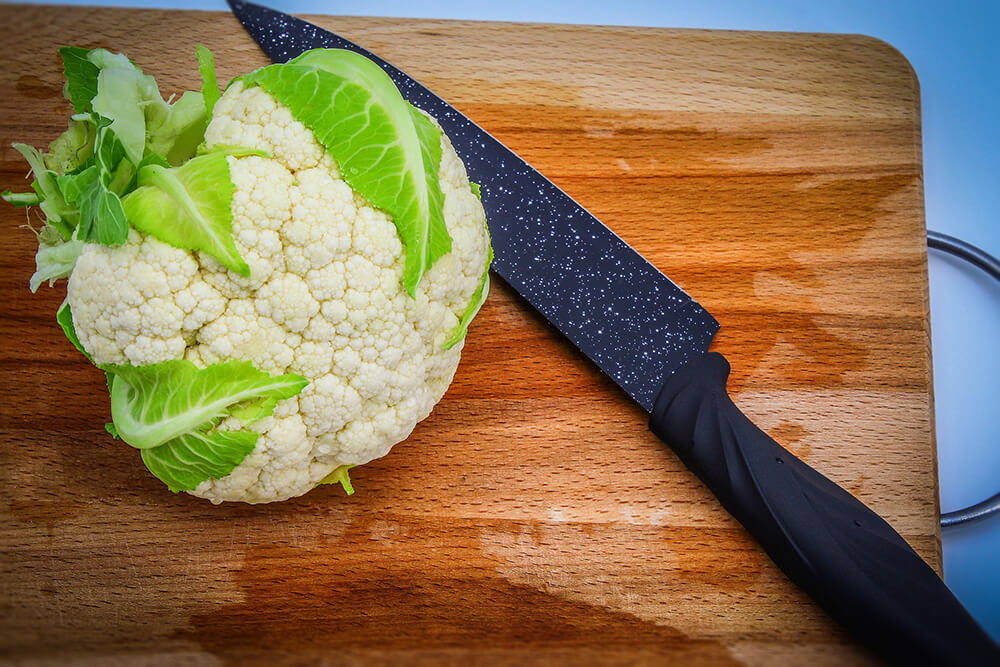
(324, 299)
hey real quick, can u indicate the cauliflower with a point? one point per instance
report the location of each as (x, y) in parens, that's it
(324, 299)
(277, 280)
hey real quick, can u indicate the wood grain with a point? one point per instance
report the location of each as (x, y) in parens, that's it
(532, 519)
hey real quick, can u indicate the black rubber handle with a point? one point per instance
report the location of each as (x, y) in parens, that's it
(860, 570)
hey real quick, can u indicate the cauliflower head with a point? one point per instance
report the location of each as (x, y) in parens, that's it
(324, 299)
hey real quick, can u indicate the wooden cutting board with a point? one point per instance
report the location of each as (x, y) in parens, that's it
(532, 518)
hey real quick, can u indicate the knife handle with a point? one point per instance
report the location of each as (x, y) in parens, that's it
(860, 570)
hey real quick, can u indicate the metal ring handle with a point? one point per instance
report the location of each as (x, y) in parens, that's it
(989, 264)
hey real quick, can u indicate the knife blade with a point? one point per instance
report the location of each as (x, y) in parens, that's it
(651, 338)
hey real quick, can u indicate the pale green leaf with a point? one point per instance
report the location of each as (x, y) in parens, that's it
(140, 117)
(209, 84)
(151, 405)
(21, 199)
(57, 211)
(437, 241)
(175, 131)
(71, 148)
(64, 316)
(476, 302)
(120, 99)
(103, 59)
(54, 261)
(384, 151)
(232, 150)
(188, 207)
(188, 460)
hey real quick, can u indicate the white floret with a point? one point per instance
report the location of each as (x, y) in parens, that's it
(286, 299)
(253, 118)
(324, 299)
(136, 303)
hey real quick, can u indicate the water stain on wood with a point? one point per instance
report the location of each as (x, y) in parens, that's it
(38, 489)
(751, 329)
(857, 487)
(414, 586)
(681, 189)
(789, 433)
(36, 88)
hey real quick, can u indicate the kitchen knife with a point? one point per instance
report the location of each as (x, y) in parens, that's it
(651, 338)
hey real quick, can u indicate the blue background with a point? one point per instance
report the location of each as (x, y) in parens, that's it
(953, 48)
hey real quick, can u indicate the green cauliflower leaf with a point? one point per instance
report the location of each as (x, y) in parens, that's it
(386, 151)
(170, 411)
(188, 207)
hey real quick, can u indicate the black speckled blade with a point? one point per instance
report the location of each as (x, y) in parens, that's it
(619, 309)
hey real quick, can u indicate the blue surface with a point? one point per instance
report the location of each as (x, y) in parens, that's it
(953, 48)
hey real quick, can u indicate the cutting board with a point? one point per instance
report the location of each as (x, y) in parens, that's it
(532, 518)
